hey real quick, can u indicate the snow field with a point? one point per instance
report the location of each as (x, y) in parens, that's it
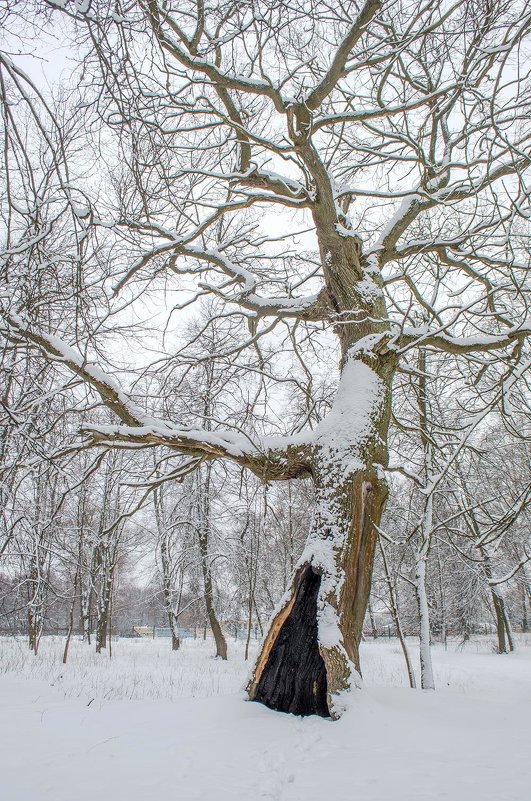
(151, 725)
(139, 669)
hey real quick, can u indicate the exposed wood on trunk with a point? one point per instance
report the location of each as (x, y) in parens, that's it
(293, 674)
(342, 594)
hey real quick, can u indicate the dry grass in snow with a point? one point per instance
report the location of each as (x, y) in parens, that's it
(152, 725)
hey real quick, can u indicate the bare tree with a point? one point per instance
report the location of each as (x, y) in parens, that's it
(395, 134)
(172, 564)
(395, 614)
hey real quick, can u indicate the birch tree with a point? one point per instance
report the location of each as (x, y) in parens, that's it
(327, 173)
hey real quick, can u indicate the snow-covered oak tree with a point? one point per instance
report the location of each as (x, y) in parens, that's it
(354, 170)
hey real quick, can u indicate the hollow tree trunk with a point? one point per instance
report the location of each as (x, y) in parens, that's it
(311, 652)
(346, 453)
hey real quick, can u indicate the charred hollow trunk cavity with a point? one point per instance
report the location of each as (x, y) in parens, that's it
(294, 677)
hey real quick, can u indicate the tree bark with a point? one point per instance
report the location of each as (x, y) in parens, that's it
(339, 554)
(71, 615)
(204, 530)
(168, 593)
(426, 530)
(349, 449)
(165, 532)
(503, 625)
(525, 624)
(426, 669)
(350, 494)
(103, 608)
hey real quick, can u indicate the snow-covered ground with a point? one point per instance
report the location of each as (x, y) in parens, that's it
(152, 725)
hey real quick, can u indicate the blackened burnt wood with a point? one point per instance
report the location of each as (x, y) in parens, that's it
(294, 678)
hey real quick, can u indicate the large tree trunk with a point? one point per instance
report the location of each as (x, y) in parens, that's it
(311, 651)
(348, 450)
(310, 654)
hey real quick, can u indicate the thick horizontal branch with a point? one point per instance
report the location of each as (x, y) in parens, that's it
(272, 182)
(58, 351)
(460, 345)
(274, 459)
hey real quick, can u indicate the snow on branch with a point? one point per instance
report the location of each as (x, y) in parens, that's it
(327, 84)
(276, 458)
(310, 308)
(381, 111)
(184, 55)
(440, 340)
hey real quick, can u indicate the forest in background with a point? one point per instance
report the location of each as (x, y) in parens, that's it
(259, 321)
(94, 543)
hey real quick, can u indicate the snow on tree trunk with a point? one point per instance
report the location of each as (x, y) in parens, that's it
(310, 654)
(421, 562)
(426, 669)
